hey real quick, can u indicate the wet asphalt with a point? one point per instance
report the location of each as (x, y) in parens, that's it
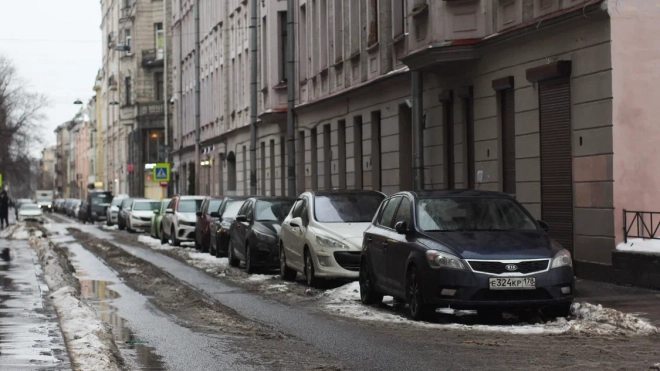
(358, 349)
(30, 335)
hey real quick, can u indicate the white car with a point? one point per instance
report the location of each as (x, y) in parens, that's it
(112, 212)
(140, 213)
(180, 219)
(30, 212)
(322, 236)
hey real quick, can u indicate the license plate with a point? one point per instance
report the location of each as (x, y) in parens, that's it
(512, 283)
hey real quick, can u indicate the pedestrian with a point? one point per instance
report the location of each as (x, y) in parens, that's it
(4, 209)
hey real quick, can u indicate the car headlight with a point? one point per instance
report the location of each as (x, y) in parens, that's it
(562, 259)
(330, 243)
(265, 237)
(439, 259)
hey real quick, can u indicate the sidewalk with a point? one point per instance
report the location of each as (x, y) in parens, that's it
(30, 335)
(622, 298)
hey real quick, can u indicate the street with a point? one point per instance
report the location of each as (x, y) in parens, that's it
(171, 308)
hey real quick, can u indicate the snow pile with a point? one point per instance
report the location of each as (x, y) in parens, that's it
(89, 341)
(655, 367)
(154, 243)
(207, 262)
(16, 231)
(106, 227)
(639, 245)
(262, 277)
(587, 318)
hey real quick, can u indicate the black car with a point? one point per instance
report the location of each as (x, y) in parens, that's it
(97, 204)
(255, 232)
(464, 249)
(204, 220)
(223, 218)
(83, 215)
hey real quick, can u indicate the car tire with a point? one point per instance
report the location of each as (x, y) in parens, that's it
(417, 308)
(205, 248)
(212, 250)
(175, 241)
(368, 293)
(198, 247)
(234, 262)
(310, 271)
(108, 222)
(163, 238)
(286, 273)
(249, 264)
(557, 311)
(120, 226)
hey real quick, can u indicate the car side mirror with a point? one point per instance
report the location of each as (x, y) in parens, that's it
(242, 219)
(156, 212)
(199, 214)
(401, 227)
(169, 211)
(296, 222)
(215, 214)
(543, 225)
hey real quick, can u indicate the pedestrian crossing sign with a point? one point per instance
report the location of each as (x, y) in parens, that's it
(161, 173)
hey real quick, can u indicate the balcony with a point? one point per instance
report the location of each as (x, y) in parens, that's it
(127, 12)
(151, 115)
(152, 58)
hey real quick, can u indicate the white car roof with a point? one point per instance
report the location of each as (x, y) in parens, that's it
(192, 197)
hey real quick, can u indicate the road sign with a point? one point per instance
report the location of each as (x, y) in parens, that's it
(164, 184)
(162, 173)
(0, 180)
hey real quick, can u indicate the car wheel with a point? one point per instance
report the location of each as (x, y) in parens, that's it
(310, 272)
(286, 273)
(128, 227)
(163, 238)
(418, 309)
(230, 256)
(108, 222)
(205, 247)
(121, 227)
(249, 264)
(368, 293)
(175, 241)
(556, 311)
(213, 251)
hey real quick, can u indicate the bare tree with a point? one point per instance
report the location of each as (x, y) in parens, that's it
(20, 125)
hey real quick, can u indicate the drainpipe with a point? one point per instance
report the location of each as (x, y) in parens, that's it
(179, 188)
(253, 96)
(418, 129)
(197, 96)
(291, 86)
(166, 103)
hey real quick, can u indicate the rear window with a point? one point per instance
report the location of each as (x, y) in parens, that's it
(190, 206)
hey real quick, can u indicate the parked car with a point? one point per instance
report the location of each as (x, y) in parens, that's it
(58, 204)
(97, 204)
(179, 219)
(22, 201)
(467, 249)
(140, 213)
(254, 234)
(157, 219)
(222, 223)
(72, 208)
(122, 216)
(112, 212)
(83, 215)
(322, 237)
(30, 212)
(204, 220)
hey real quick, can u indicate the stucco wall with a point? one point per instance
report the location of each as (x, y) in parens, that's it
(635, 58)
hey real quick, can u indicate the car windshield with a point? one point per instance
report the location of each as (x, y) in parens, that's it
(190, 206)
(101, 198)
(116, 201)
(44, 200)
(347, 208)
(231, 210)
(164, 203)
(214, 206)
(272, 211)
(146, 205)
(471, 214)
(30, 207)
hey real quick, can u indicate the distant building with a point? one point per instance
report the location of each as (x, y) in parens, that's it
(48, 163)
(62, 153)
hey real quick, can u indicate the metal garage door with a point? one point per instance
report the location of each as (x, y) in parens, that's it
(556, 160)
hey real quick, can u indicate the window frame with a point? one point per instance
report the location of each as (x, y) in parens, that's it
(380, 216)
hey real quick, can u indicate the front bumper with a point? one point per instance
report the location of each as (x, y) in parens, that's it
(266, 254)
(114, 217)
(343, 264)
(185, 232)
(142, 224)
(473, 290)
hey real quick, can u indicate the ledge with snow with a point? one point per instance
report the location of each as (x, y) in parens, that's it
(637, 263)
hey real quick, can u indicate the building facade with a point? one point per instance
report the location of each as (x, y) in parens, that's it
(528, 97)
(62, 154)
(48, 163)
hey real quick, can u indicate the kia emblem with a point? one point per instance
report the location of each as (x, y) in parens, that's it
(511, 267)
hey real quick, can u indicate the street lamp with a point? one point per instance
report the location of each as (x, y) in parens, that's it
(78, 102)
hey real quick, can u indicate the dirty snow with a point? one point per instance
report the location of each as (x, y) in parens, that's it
(154, 243)
(655, 367)
(587, 318)
(640, 245)
(113, 227)
(89, 341)
(262, 277)
(16, 231)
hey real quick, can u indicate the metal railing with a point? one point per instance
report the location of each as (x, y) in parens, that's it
(152, 58)
(641, 224)
(152, 108)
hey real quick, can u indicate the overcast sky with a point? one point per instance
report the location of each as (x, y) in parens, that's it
(56, 47)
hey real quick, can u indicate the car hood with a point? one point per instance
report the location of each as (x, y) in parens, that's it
(142, 214)
(187, 217)
(273, 228)
(30, 212)
(343, 231)
(502, 245)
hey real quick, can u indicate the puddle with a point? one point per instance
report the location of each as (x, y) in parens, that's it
(137, 354)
